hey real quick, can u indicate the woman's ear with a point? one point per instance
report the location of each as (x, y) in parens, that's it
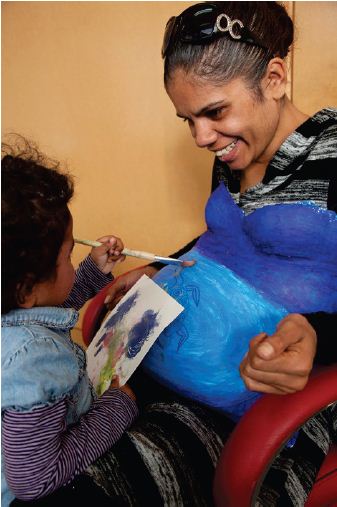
(275, 79)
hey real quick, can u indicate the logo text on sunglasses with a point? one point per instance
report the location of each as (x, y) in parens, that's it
(229, 25)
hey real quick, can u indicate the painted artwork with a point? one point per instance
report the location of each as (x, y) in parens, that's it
(128, 332)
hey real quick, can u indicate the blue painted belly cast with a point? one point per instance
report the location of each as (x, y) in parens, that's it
(250, 272)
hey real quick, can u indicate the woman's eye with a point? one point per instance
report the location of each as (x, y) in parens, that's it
(215, 113)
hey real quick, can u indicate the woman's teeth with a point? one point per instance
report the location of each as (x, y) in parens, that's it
(226, 150)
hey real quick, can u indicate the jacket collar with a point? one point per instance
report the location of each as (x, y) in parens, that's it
(52, 317)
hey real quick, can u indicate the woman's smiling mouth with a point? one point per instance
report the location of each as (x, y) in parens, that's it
(227, 149)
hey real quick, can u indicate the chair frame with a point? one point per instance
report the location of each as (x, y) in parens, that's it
(273, 419)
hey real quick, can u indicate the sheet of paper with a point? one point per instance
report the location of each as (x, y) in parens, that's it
(128, 332)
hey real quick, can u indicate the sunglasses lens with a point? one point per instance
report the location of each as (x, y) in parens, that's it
(194, 25)
(168, 34)
(198, 24)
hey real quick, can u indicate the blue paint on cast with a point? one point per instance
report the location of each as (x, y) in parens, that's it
(251, 271)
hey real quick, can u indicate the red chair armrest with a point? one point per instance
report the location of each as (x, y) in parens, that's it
(92, 314)
(262, 432)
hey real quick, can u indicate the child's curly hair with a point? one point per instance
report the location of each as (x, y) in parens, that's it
(35, 217)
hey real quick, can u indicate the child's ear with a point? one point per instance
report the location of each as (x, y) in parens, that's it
(29, 300)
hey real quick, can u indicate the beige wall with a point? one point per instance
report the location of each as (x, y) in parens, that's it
(314, 77)
(84, 79)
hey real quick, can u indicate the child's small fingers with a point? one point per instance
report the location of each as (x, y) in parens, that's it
(113, 245)
(110, 241)
(116, 258)
(114, 381)
(105, 239)
(115, 252)
(119, 245)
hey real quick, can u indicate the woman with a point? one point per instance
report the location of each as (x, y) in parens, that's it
(258, 127)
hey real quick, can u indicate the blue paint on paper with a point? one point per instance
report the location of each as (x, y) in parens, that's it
(117, 317)
(141, 332)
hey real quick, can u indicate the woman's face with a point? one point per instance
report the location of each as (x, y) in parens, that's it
(228, 119)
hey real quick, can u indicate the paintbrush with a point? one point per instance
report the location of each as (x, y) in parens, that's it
(134, 253)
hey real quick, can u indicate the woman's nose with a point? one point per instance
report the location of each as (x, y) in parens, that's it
(203, 134)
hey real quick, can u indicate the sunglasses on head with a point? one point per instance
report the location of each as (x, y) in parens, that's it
(201, 24)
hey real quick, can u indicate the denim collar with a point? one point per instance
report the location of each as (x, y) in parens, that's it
(49, 316)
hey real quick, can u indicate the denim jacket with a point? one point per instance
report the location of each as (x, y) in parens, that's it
(42, 365)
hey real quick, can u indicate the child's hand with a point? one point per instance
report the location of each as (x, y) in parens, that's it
(106, 255)
(125, 388)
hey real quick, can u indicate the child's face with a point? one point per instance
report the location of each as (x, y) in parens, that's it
(54, 292)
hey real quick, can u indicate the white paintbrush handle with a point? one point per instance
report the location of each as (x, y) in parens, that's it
(139, 254)
(87, 242)
(133, 253)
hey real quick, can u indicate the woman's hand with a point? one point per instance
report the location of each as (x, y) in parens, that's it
(281, 363)
(123, 283)
(106, 255)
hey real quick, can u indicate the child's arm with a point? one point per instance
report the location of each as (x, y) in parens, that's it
(41, 453)
(94, 272)
(89, 280)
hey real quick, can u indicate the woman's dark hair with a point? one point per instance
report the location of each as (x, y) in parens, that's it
(225, 59)
(35, 218)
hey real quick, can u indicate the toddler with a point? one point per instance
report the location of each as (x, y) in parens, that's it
(53, 424)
